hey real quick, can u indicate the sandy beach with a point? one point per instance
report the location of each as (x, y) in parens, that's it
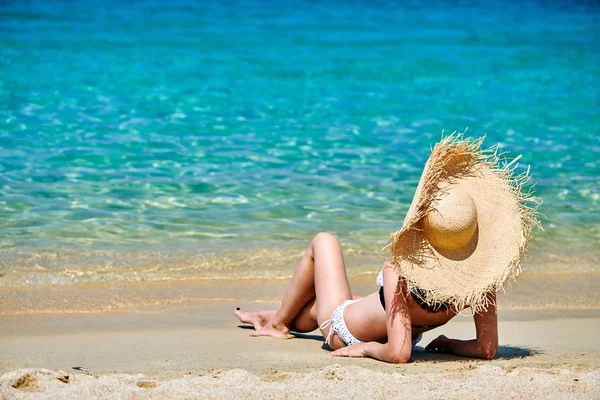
(181, 340)
(162, 163)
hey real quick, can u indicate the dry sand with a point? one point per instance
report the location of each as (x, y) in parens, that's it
(181, 340)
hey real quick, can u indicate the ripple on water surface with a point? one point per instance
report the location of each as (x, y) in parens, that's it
(219, 126)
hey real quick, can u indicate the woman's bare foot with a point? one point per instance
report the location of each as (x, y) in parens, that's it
(257, 319)
(276, 331)
(261, 321)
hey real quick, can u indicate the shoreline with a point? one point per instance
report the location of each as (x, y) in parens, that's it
(266, 260)
(532, 291)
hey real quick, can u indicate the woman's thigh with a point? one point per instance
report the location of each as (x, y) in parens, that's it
(331, 282)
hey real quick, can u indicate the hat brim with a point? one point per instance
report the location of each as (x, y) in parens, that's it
(505, 216)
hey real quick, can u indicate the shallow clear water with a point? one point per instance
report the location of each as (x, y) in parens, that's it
(176, 127)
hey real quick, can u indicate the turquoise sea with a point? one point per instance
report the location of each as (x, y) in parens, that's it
(157, 140)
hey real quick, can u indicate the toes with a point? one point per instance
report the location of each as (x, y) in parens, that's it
(287, 336)
(238, 311)
(276, 335)
(242, 316)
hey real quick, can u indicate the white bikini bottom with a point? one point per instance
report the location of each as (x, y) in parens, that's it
(338, 325)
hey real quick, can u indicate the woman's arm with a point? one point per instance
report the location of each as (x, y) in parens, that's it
(399, 345)
(484, 346)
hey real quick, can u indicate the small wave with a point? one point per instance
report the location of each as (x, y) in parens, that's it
(210, 234)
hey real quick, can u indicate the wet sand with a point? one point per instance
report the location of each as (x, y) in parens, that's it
(181, 339)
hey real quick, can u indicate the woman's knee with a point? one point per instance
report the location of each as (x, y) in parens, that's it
(325, 238)
(321, 240)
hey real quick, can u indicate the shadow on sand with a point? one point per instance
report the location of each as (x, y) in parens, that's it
(504, 353)
(419, 353)
(297, 335)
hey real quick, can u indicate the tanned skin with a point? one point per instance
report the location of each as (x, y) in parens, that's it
(320, 284)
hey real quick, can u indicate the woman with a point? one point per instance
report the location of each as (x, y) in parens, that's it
(462, 238)
(319, 286)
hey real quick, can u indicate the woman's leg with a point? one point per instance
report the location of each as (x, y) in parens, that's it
(320, 274)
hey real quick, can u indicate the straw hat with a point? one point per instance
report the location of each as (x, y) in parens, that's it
(467, 227)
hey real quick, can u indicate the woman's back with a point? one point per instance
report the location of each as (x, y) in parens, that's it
(367, 318)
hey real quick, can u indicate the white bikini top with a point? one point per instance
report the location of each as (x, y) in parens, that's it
(379, 279)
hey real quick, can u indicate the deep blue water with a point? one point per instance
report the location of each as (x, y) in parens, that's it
(212, 124)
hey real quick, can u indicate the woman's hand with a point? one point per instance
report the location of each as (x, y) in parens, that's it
(485, 346)
(355, 350)
(441, 344)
